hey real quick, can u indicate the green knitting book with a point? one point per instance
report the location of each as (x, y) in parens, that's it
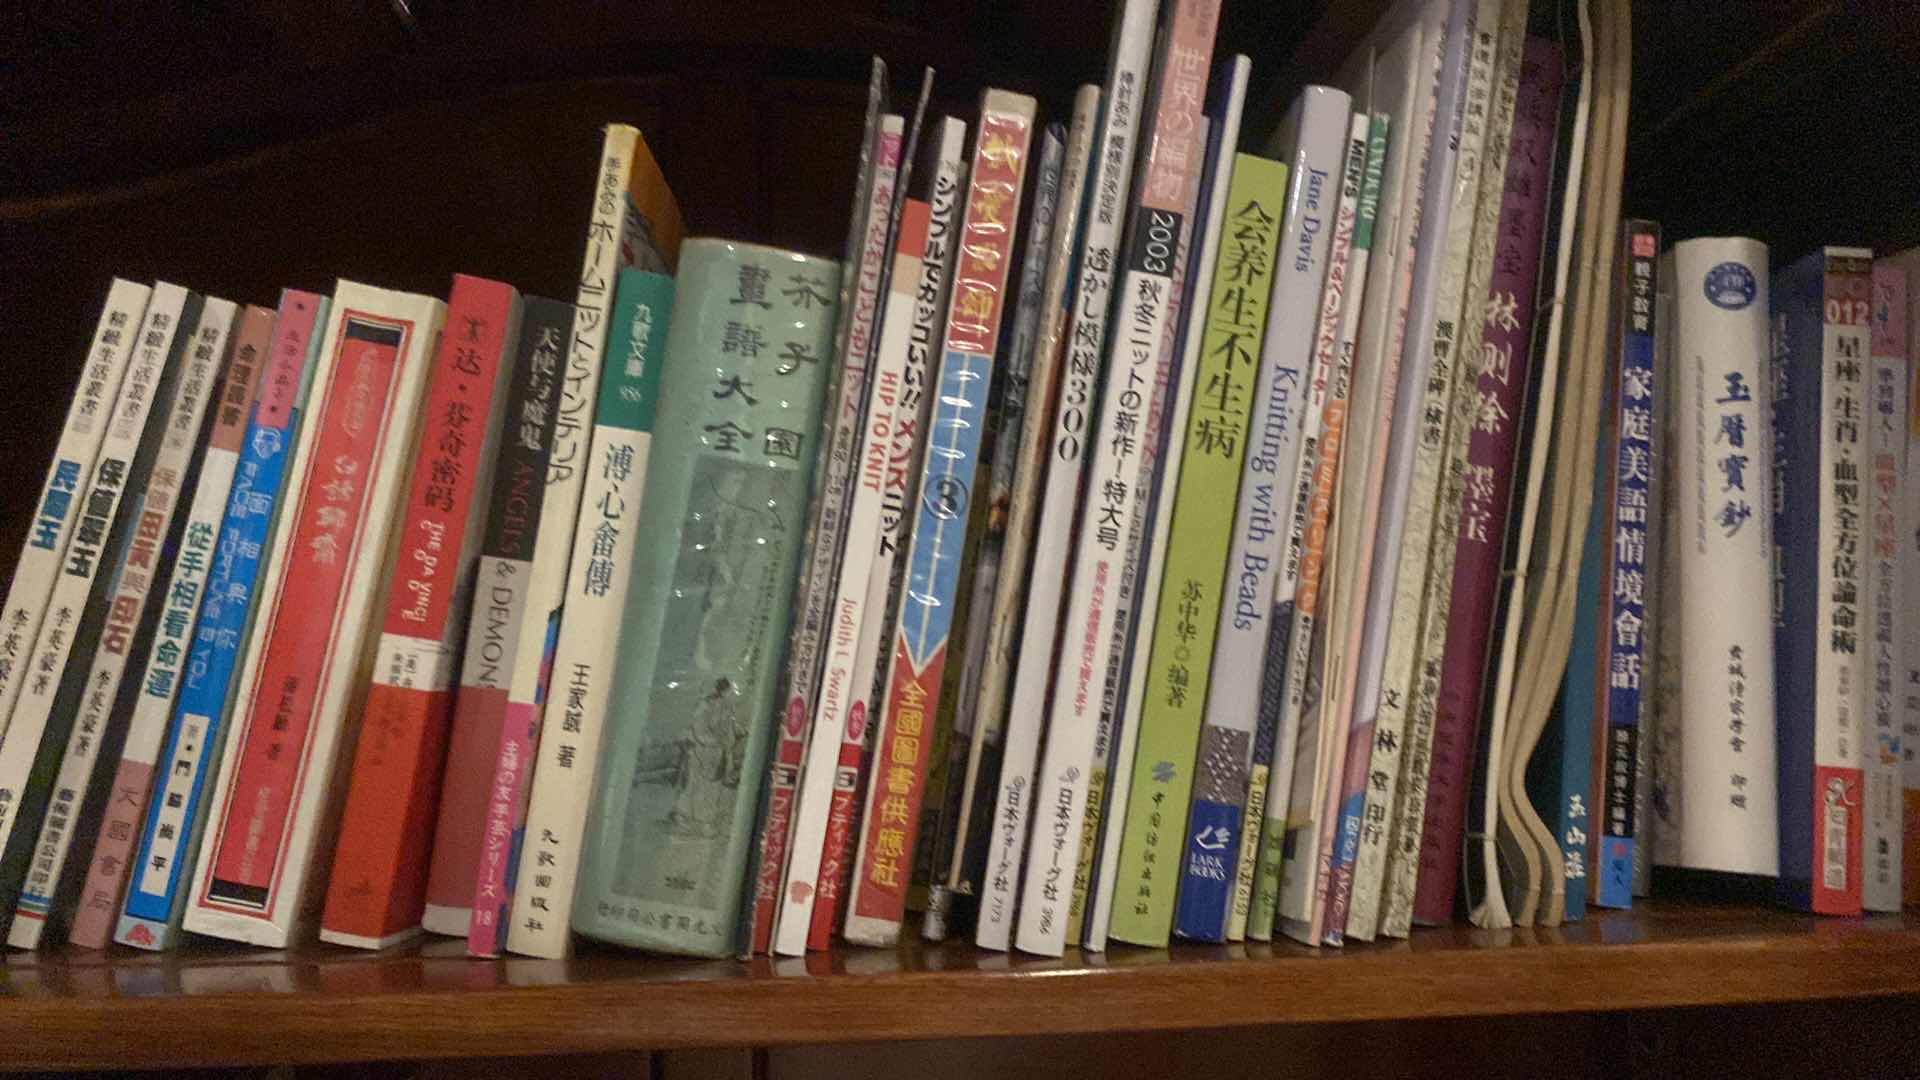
(705, 621)
(1202, 530)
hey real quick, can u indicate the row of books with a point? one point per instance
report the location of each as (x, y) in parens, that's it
(1130, 535)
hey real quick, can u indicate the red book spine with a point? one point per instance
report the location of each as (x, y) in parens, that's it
(377, 888)
(1507, 362)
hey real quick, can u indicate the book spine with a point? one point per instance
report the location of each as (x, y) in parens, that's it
(825, 504)
(921, 638)
(1501, 386)
(1399, 880)
(377, 883)
(1229, 318)
(587, 653)
(1887, 400)
(1610, 858)
(1902, 316)
(671, 822)
(99, 892)
(546, 580)
(279, 788)
(114, 343)
(1016, 461)
(842, 559)
(100, 726)
(1820, 352)
(79, 605)
(1054, 464)
(1373, 778)
(167, 841)
(497, 616)
(1284, 689)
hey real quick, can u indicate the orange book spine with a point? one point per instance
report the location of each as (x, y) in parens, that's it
(377, 890)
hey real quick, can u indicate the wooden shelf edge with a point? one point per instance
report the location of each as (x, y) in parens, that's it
(230, 1008)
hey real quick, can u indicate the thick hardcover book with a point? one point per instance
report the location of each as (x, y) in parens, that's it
(1014, 602)
(670, 824)
(1501, 386)
(1887, 444)
(1229, 317)
(1285, 688)
(826, 504)
(494, 624)
(842, 562)
(921, 636)
(78, 608)
(77, 769)
(151, 702)
(376, 887)
(602, 574)
(163, 834)
(1135, 364)
(280, 776)
(649, 238)
(1375, 760)
(1016, 462)
(1820, 362)
(1104, 214)
(61, 494)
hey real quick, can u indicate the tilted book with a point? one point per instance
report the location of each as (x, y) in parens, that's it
(1016, 463)
(158, 644)
(648, 236)
(665, 855)
(921, 636)
(1052, 460)
(115, 338)
(495, 622)
(167, 535)
(603, 556)
(1887, 444)
(104, 536)
(826, 504)
(1136, 363)
(280, 776)
(376, 887)
(841, 562)
(164, 833)
(1504, 371)
(1820, 360)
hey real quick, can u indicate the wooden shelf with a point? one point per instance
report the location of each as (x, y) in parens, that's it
(216, 1005)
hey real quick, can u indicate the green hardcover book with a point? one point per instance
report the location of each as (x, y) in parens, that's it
(1192, 585)
(703, 632)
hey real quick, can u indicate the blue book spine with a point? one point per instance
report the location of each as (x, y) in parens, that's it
(168, 839)
(1624, 602)
(1795, 367)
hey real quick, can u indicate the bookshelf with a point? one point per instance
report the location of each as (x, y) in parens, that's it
(264, 153)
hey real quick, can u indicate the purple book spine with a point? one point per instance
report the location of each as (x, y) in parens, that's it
(1506, 365)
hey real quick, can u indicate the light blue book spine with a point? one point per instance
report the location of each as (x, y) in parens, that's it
(177, 811)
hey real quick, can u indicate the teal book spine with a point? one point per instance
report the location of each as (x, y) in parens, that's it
(704, 627)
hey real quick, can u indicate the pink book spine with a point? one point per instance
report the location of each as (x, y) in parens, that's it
(1506, 366)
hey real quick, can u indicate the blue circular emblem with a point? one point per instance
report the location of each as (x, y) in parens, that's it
(1730, 285)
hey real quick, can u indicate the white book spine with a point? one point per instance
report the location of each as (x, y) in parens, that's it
(1724, 616)
(60, 501)
(313, 801)
(1388, 302)
(1402, 847)
(106, 491)
(583, 664)
(1404, 543)
(159, 505)
(1887, 449)
(1907, 597)
(1105, 213)
(1039, 515)
(837, 699)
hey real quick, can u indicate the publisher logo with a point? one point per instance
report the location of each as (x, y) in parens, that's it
(1731, 286)
(796, 718)
(857, 722)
